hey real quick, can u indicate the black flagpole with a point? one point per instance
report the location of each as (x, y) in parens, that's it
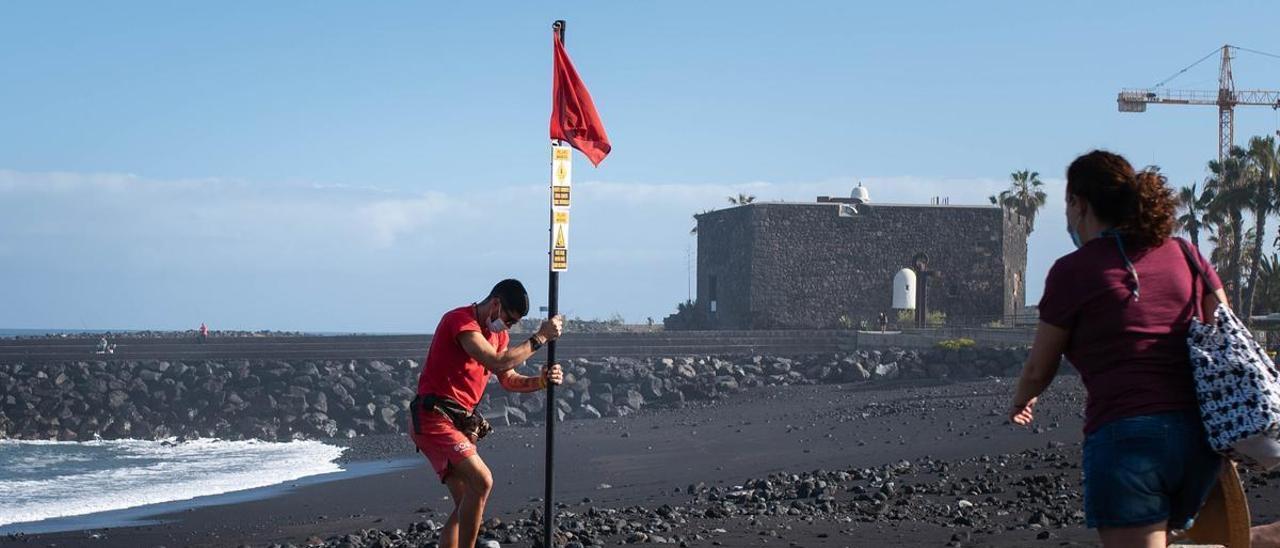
(553, 305)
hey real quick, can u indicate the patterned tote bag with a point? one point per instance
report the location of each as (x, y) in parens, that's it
(1236, 382)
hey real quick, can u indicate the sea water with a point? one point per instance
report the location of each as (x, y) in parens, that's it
(49, 479)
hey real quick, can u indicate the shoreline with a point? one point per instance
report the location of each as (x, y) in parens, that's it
(354, 465)
(635, 466)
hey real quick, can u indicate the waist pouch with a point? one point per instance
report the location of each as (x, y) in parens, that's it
(467, 422)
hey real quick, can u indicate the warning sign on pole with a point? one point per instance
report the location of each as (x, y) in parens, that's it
(559, 240)
(560, 196)
(560, 226)
(561, 181)
(561, 176)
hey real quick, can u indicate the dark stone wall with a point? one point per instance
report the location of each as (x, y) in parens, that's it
(1015, 262)
(789, 265)
(726, 248)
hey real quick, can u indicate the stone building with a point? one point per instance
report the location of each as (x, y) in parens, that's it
(831, 263)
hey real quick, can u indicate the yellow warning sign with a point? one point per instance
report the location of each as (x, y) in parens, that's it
(560, 230)
(559, 260)
(561, 181)
(560, 196)
(561, 176)
(561, 167)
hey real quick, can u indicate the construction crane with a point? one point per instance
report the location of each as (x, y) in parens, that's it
(1226, 97)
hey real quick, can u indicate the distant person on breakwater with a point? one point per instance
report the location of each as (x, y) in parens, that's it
(105, 347)
(1119, 308)
(204, 332)
(469, 345)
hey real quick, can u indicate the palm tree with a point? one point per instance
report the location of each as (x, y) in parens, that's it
(1224, 248)
(1246, 250)
(1220, 239)
(1223, 242)
(1268, 292)
(1192, 203)
(1229, 180)
(1265, 174)
(1025, 196)
(742, 199)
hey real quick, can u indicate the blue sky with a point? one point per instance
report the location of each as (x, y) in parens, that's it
(343, 166)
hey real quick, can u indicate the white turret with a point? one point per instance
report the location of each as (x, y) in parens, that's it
(860, 195)
(904, 289)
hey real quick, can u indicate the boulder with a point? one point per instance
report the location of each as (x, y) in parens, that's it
(390, 417)
(886, 371)
(497, 418)
(726, 383)
(778, 367)
(634, 400)
(588, 412)
(116, 399)
(686, 370)
(651, 387)
(515, 415)
(532, 408)
(855, 372)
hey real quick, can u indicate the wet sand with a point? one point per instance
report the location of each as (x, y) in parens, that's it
(954, 437)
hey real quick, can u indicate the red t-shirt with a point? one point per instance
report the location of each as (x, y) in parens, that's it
(449, 371)
(1131, 355)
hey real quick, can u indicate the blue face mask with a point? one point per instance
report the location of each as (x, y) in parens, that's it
(1071, 230)
(1075, 236)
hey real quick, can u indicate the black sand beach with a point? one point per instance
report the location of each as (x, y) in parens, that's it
(938, 444)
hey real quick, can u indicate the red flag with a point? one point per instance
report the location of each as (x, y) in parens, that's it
(573, 115)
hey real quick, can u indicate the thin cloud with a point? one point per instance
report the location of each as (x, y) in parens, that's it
(392, 218)
(307, 256)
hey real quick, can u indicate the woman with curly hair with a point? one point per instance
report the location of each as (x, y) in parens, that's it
(1119, 308)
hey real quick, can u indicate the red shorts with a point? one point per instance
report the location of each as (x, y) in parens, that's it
(440, 441)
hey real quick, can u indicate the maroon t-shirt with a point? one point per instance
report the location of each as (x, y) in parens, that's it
(1131, 354)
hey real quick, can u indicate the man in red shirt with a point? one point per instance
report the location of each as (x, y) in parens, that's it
(469, 345)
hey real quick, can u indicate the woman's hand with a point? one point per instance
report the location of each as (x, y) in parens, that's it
(1022, 414)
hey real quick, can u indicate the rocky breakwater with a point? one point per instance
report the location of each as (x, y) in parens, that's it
(235, 399)
(278, 400)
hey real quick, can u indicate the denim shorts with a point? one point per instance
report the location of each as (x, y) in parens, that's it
(1148, 469)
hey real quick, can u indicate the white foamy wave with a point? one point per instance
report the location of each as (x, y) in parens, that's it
(44, 479)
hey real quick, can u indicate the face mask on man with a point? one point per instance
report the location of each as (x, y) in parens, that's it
(496, 325)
